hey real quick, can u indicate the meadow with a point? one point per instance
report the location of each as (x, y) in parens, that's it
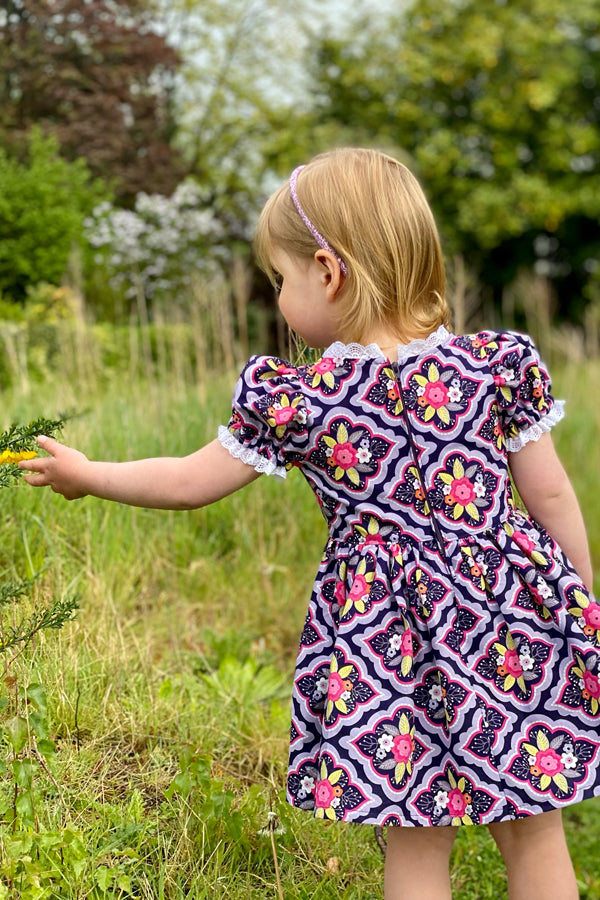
(166, 699)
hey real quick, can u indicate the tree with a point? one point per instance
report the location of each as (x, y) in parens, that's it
(98, 76)
(43, 202)
(498, 105)
(243, 89)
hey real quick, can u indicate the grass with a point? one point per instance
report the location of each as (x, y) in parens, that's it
(179, 666)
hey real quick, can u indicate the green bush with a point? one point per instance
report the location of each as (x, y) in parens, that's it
(43, 202)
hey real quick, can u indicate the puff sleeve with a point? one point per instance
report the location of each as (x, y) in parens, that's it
(526, 406)
(268, 425)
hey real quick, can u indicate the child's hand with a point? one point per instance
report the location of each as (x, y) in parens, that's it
(62, 470)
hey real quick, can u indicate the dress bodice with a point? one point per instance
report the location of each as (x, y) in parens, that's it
(413, 449)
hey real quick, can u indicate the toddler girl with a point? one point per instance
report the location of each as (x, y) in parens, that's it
(448, 668)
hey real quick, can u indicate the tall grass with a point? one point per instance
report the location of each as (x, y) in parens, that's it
(180, 663)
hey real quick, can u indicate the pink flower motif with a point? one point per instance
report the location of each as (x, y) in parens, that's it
(360, 587)
(591, 614)
(284, 415)
(406, 645)
(345, 455)
(402, 747)
(524, 542)
(324, 365)
(324, 793)
(335, 688)
(511, 661)
(549, 761)
(499, 380)
(340, 593)
(456, 803)
(591, 684)
(374, 539)
(436, 394)
(285, 370)
(395, 549)
(462, 490)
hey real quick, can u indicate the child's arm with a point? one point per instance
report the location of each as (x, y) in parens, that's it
(186, 482)
(549, 497)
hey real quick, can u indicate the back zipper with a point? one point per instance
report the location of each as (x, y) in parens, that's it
(413, 446)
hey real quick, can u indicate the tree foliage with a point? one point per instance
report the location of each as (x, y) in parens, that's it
(242, 89)
(43, 202)
(98, 76)
(498, 105)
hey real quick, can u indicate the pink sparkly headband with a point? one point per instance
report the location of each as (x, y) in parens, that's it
(316, 234)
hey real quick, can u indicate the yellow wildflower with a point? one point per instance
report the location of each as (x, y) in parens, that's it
(10, 456)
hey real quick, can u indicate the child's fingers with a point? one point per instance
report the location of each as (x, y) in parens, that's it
(36, 480)
(49, 444)
(33, 465)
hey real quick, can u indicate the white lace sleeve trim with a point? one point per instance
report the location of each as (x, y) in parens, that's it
(534, 432)
(249, 455)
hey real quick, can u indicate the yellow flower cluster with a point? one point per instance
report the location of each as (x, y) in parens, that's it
(10, 456)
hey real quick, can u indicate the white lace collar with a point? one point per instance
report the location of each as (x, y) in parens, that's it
(338, 350)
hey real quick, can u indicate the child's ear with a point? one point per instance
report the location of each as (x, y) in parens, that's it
(329, 272)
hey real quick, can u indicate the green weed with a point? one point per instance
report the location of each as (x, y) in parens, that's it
(166, 700)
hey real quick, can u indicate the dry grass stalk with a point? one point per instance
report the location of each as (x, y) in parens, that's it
(284, 337)
(178, 351)
(241, 284)
(221, 309)
(592, 329)
(568, 342)
(161, 343)
(464, 296)
(198, 307)
(14, 339)
(143, 319)
(538, 301)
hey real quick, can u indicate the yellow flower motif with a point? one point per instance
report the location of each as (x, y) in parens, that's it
(587, 611)
(393, 393)
(580, 670)
(340, 680)
(11, 457)
(542, 749)
(474, 567)
(480, 347)
(326, 789)
(506, 392)
(539, 399)
(421, 585)
(360, 589)
(582, 601)
(344, 455)
(371, 529)
(419, 489)
(435, 395)
(322, 370)
(404, 729)
(461, 786)
(459, 482)
(534, 555)
(281, 413)
(511, 661)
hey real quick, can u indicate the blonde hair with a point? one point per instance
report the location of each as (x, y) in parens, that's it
(372, 211)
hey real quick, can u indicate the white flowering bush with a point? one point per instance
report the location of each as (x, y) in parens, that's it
(159, 244)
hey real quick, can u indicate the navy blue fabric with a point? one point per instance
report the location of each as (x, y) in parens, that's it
(448, 667)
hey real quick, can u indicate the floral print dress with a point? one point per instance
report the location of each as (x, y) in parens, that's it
(448, 670)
